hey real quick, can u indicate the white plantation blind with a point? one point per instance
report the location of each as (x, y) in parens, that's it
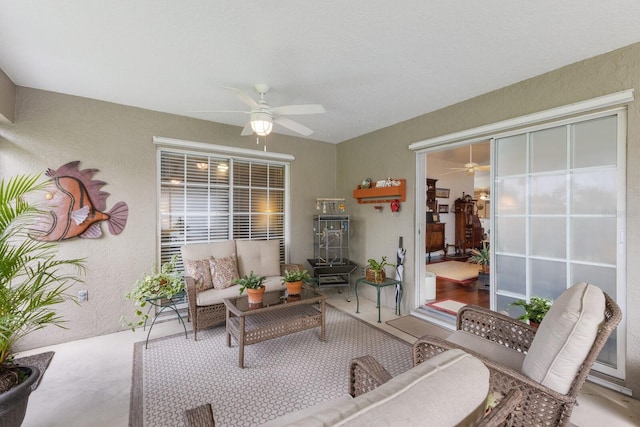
(208, 197)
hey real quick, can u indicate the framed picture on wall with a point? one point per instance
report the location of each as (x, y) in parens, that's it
(442, 193)
(443, 209)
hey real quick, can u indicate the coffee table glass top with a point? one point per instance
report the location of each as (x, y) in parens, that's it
(273, 298)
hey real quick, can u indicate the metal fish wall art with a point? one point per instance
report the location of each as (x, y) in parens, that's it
(75, 206)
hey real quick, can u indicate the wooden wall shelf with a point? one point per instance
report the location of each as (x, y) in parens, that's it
(382, 194)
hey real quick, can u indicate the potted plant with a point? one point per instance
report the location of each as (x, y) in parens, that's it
(164, 282)
(253, 285)
(482, 257)
(33, 279)
(293, 280)
(534, 310)
(375, 270)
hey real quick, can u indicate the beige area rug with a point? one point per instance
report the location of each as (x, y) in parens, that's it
(281, 375)
(456, 271)
(448, 306)
(417, 327)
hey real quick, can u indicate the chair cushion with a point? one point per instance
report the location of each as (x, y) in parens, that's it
(491, 350)
(223, 271)
(200, 271)
(565, 337)
(260, 256)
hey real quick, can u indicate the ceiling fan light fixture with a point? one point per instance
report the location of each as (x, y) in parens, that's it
(261, 123)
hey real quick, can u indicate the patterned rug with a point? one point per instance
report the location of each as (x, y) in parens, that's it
(448, 306)
(456, 271)
(281, 375)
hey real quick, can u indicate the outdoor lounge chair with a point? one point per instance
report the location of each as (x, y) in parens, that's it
(549, 365)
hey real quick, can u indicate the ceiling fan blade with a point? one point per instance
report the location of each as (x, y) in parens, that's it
(220, 111)
(244, 97)
(294, 126)
(483, 168)
(246, 130)
(299, 109)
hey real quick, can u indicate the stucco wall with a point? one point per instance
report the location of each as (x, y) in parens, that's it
(385, 153)
(52, 129)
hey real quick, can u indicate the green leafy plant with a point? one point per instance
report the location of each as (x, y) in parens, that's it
(295, 275)
(33, 279)
(164, 282)
(481, 257)
(378, 266)
(534, 310)
(250, 281)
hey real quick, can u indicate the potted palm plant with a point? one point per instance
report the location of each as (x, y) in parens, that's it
(293, 280)
(482, 257)
(375, 270)
(253, 285)
(33, 280)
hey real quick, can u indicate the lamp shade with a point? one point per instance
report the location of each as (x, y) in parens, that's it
(261, 123)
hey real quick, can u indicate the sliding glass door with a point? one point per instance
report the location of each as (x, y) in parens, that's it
(559, 215)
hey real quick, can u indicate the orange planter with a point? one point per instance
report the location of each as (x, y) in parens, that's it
(294, 288)
(371, 275)
(255, 295)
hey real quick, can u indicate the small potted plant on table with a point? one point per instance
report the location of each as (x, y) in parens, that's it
(253, 285)
(293, 280)
(375, 270)
(534, 310)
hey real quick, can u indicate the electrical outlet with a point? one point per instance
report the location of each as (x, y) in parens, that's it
(83, 295)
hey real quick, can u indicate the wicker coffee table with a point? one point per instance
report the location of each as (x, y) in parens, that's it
(277, 316)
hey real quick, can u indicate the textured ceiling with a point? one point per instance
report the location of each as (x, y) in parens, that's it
(371, 63)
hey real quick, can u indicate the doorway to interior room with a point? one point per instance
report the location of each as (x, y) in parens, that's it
(457, 228)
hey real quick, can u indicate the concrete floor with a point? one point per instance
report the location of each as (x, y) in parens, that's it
(88, 381)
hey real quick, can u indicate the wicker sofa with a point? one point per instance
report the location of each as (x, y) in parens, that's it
(206, 306)
(448, 390)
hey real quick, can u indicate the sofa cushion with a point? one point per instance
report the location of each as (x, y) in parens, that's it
(260, 256)
(205, 250)
(200, 271)
(491, 350)
(223, 271)
(565, 337)
(217, 296)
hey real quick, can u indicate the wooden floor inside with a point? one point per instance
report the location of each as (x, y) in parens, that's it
(473, 293)
(470, 294)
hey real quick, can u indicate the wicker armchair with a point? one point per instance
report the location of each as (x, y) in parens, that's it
(200, 416)
(366, 374)
(540, 405)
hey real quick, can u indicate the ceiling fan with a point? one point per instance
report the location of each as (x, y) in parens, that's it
(262, 116)
(469, 167)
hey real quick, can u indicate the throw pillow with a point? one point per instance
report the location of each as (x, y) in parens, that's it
(201, 273)
(223, 271)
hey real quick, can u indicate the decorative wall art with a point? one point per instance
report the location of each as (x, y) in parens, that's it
(443, 209)
(76, 206)
(442, 193)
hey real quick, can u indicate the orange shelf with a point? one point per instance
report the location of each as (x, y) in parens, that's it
(382, 194)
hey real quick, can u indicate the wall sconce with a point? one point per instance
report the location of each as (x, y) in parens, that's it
(223, 167)
(378, 209)
(261, 123)
(202, 166)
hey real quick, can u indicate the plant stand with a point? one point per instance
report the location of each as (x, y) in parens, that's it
(164, 303)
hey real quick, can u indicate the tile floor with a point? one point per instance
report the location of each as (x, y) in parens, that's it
(88, 381)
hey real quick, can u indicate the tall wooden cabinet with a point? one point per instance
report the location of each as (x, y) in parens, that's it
(434, 238)
(468, 228)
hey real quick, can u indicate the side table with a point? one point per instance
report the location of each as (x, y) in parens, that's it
(378, 286)
(164, 303)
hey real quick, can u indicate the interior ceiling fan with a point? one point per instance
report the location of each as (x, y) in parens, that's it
(262, 116)
(469, 167)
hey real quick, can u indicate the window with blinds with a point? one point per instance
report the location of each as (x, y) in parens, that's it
(208, 198)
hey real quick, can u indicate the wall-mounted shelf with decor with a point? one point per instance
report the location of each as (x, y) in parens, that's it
(381, 194)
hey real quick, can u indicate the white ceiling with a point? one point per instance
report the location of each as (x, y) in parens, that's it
(371, 63)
